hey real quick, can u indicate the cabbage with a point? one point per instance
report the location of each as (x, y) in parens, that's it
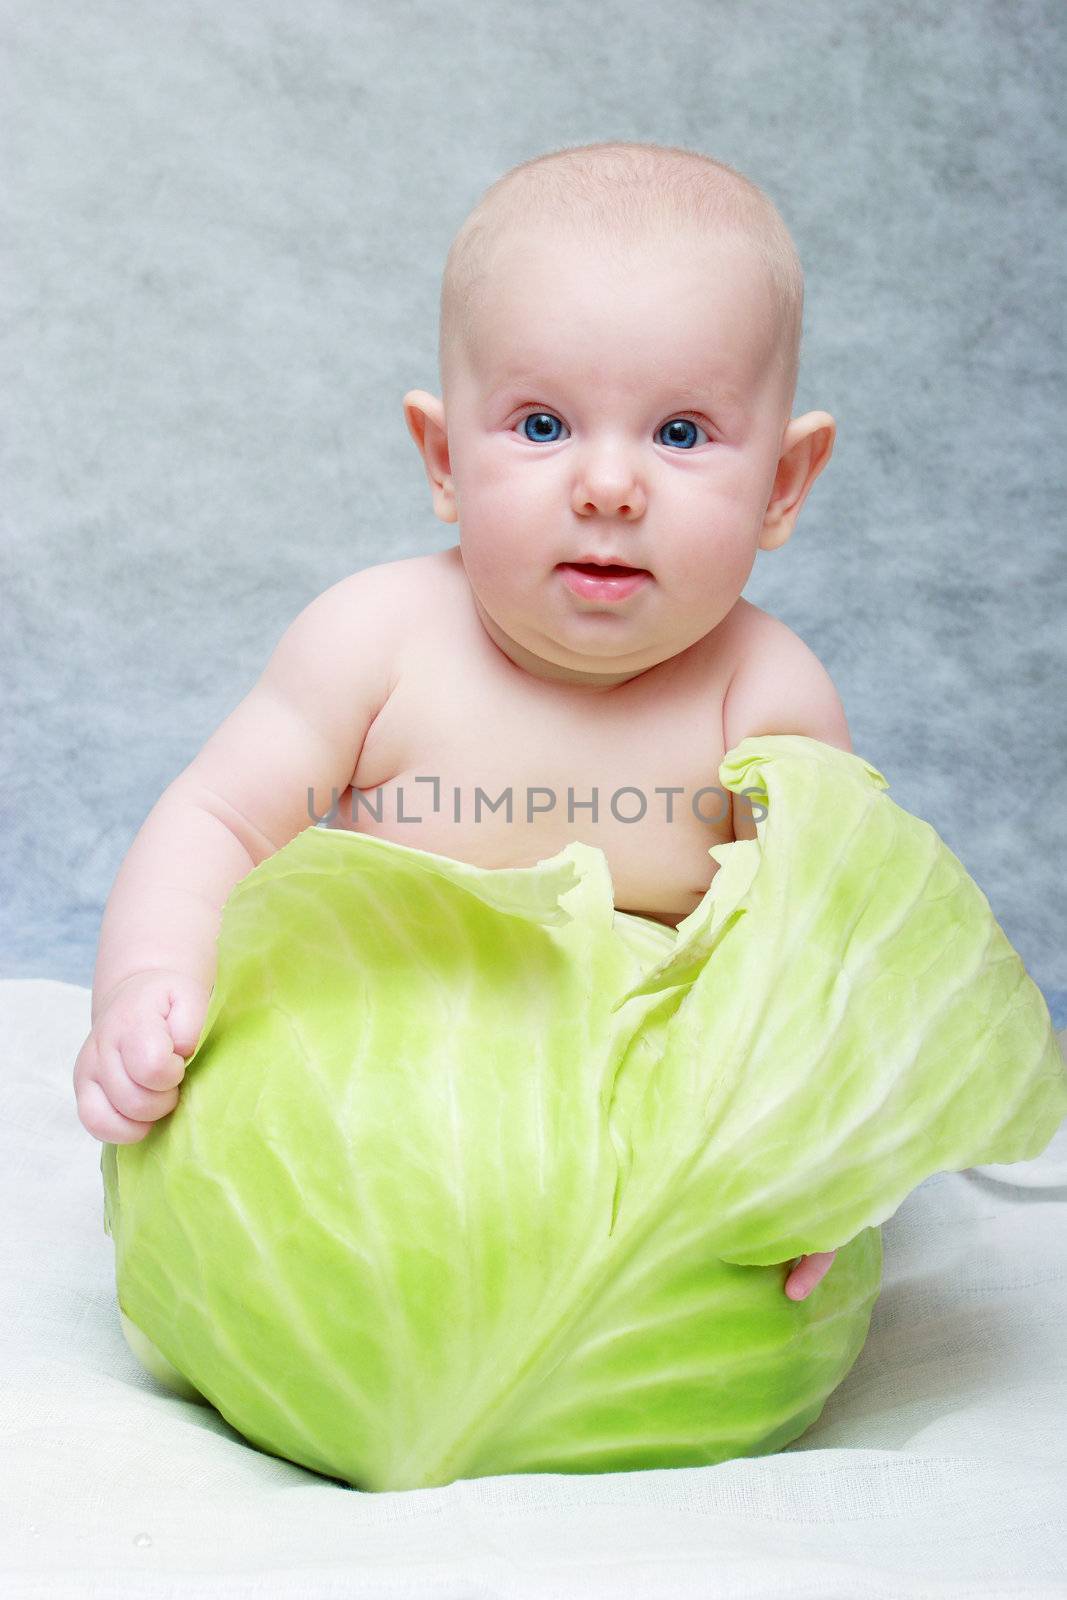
(473, 1174)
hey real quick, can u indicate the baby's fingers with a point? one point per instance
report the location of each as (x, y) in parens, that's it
(100, 1118)
(132, 1099)
(808, 1271)
(147, 1052)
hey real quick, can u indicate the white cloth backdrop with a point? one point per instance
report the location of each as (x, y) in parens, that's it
(939, 1468)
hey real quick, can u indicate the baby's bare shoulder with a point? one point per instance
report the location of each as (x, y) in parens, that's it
(378, 607)
(408, 578)
(340, 657)
(779, 685)
(754, 630)
(402, 590)
(750, 637)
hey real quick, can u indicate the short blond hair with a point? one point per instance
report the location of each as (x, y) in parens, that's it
(616, 193)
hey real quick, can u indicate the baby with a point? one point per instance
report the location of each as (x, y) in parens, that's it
(619, 341)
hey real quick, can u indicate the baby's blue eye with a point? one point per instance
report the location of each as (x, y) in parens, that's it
(543, 423)
(679, 434)
(539, 425)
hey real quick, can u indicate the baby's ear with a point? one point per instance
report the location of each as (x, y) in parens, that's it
(807, 445)
(425, 417)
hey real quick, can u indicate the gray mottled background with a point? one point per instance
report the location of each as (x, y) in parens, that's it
(223, 231)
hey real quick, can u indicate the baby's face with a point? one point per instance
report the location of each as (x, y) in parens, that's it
(624, 409)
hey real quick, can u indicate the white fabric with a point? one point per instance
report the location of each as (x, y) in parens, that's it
(939, 1468)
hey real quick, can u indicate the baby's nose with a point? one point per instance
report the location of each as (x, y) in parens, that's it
(615, 495)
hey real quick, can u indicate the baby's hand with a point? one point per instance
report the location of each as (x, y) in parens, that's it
(127, 1073)
(808, 1271)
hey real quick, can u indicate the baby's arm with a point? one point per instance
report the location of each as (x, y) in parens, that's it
(242, 798)
(782, 687)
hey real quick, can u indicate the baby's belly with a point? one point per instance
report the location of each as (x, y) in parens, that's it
(659, 865)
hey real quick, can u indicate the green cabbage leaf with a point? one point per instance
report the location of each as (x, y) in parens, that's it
(473, 1174)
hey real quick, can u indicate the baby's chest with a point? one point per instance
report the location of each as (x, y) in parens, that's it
(500, 779)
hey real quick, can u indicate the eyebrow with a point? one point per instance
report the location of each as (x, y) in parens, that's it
(723, 399)
(689, 396)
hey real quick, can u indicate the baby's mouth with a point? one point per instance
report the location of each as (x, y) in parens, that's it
(595, 571)
(603, 582)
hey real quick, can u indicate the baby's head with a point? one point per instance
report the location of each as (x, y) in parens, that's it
(619, 344)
